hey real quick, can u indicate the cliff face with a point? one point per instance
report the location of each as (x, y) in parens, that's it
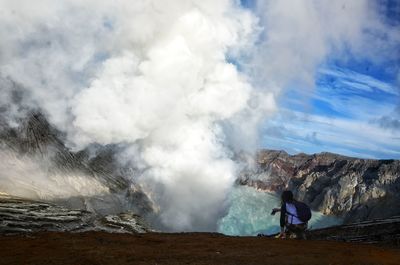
(356, 189)
(26, 216)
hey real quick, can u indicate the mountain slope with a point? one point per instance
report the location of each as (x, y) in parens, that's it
(356, 189)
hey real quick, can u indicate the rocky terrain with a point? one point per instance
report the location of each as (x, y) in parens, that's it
(355, 189)
(382, 232)
(379, 231)
(22, 216)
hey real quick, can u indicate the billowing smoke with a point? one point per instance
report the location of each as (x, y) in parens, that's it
(28, 177)
(163, 78)
(152, 74)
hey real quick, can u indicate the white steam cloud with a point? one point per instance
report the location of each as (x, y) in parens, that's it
(29, 177)
(302, 34)
(162, 76)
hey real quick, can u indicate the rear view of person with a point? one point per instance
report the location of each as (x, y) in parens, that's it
(294, 216)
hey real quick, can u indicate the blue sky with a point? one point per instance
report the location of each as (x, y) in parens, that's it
(354, 106)
(349, 111)
(352, 110)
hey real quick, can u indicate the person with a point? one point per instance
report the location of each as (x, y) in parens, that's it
(291, 225)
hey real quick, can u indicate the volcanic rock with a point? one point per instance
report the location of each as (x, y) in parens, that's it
(21, 216)
(352, 188)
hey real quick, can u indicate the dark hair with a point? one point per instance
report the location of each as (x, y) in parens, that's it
(287, 196)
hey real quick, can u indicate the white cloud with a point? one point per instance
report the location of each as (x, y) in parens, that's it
(345, 136)
(299, 35)
(360, 81)
(31, 177)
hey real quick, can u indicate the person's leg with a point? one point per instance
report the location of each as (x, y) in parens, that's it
(297, 231)
(301, 231)
(291, 231)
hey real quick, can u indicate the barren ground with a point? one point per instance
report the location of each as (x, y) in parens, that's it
(93, 248)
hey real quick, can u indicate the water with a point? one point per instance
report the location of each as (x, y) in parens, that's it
(250, 214)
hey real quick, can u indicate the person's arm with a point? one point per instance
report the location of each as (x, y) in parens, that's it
(275, 210)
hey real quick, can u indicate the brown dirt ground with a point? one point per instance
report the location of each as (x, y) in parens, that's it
(94, 248)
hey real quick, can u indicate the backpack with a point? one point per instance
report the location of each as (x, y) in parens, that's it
(303, 211)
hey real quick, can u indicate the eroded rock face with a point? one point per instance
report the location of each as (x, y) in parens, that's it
(356, 189)
(19, 215)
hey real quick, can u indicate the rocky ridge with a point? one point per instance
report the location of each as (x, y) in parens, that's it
(19, 215)
(352, 188)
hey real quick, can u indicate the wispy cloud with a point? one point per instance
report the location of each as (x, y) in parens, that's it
(390, 121)
(347, 79)
(344, 93)
(315, 133)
